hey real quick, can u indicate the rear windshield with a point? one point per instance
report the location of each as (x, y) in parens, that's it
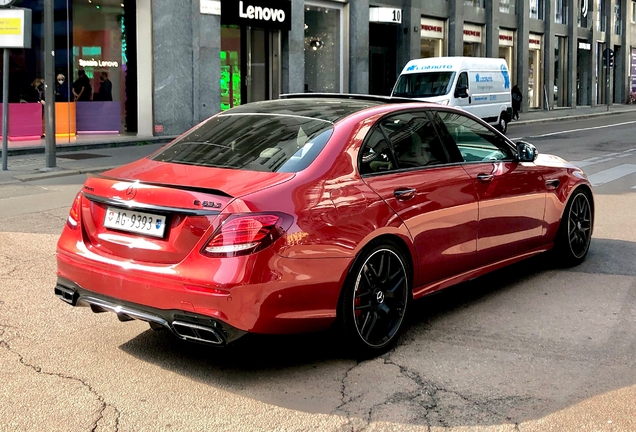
(427, 84)
(255, 142)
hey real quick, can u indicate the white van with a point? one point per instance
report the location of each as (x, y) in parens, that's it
(479, 85)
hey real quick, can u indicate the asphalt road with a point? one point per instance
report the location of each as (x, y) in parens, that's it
(529, 348)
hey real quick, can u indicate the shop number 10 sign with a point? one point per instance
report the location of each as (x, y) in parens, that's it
(385, 15)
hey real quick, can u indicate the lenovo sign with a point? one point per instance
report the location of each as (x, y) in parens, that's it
(272, 14)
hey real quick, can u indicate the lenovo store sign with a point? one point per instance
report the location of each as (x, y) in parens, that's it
(271, 14)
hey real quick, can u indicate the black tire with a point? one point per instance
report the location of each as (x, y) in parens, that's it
(374, 299)
(502, 124)
(573, 239)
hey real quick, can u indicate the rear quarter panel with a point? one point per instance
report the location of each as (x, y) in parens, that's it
(335, 213)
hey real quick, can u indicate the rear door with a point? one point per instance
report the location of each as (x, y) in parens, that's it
(404, 161)
(511, 194)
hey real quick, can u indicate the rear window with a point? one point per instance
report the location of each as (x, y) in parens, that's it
(427, 84)
(254, 142)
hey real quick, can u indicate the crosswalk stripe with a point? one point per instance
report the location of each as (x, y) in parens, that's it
(582, 164)
(611, 174)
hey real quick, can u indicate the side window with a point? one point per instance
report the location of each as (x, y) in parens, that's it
(462, 80)
(475, 142)
(414, 140)
(375, 154)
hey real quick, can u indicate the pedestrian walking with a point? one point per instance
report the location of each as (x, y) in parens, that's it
(517, 97)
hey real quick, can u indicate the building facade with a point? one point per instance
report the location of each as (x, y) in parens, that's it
(171, 64)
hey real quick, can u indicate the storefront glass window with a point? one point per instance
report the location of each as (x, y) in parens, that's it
(230, 67)
(431, 48)
(323, 49)
(95, 72)
(506, 53)
(534, 86)
(472, 49)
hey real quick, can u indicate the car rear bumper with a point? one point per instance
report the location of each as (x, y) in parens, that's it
(184, 325)
(286, 296)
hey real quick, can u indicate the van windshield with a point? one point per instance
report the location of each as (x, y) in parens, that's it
(422, 85)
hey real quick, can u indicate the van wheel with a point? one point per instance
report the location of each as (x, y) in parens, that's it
(502, 125)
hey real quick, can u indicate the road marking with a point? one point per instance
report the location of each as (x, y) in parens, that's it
(611, 174)
(582, 164)
(604, 158)
(582, 129)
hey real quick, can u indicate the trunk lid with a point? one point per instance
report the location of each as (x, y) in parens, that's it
(183, 200)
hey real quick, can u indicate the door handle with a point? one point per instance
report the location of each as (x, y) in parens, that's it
(470, 99)
(404, 194)
(485, 178)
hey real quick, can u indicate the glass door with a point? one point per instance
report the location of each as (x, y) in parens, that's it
(262, 65)
(250, 70)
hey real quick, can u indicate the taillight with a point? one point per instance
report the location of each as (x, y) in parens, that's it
(244, 235)
(74, 215)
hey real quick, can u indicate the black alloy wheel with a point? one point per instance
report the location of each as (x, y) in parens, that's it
(375, 299)
(575, 232)
(579, 225)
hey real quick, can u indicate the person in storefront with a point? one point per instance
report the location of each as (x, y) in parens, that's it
(82, 90)
(105, 92)
(61, 89)
(517, 97)
(35, 92)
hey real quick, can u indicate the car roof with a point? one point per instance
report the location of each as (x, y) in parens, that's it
(331, 108)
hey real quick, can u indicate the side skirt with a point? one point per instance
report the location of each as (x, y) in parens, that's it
(472, 274)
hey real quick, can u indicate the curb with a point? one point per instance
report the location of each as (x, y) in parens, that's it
(62, 173)
(90, 146)
(572, 117)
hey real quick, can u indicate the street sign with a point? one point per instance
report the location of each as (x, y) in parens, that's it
(608, 62)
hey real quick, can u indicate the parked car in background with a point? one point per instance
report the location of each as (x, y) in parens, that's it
(293, 215)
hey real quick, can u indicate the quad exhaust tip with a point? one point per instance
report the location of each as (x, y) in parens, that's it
(67, 295)
(211, 333)
(198, 333)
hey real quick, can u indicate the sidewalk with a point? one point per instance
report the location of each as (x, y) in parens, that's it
(29, 167)
(563, 114)
(91, 156)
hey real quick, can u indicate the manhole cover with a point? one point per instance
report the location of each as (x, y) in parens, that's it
(82, 156)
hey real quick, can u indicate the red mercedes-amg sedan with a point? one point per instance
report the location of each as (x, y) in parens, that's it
(291, 215)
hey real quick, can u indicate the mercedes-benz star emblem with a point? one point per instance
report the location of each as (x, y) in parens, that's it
(131, 192)
(379, 296)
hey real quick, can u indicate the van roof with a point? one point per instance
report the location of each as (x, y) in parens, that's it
(453, 64)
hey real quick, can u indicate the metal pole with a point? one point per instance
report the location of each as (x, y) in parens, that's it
(609, 11)
(5, 108)
(49, 79)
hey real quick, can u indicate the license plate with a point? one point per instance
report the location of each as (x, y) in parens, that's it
(136, 222)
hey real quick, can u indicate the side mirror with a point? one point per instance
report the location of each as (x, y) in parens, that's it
(526, 152)
(461, 92)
